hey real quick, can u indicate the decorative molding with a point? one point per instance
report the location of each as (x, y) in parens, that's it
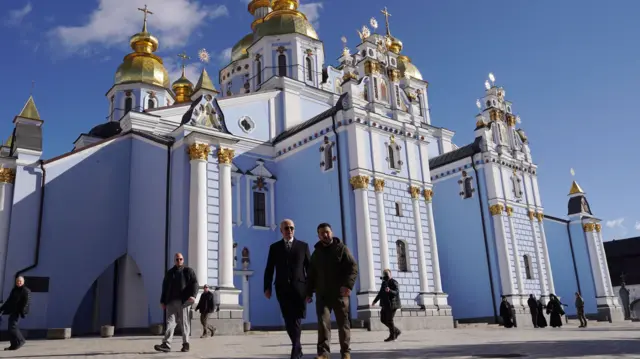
(359, 182)
(589, 227)
(225, 155)
(428, 195)
(378, 184)
(496, 209)
(414, 191)
(199, 151)
(7, 175)
(509, 211)
(539, 216)
(598, 227)
(531, 215)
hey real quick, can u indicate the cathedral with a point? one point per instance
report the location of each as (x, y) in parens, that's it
(211, 170)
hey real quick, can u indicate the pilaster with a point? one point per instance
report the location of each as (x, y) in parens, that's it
(502, 246)
(433, 243)
(378, 185)
(545, 252)
(424, 298)
(197, 251)
(516, 257)
(7, 178)
(368, 290)
(539, 259)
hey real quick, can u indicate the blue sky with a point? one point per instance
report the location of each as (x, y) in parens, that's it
(570, 68)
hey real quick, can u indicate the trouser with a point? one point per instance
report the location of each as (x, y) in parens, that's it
(15, 336)
(386, 317)
(294, 330)
(582, 317)
(204, 318)
(340, 306)
(534, 317)
(177, 312)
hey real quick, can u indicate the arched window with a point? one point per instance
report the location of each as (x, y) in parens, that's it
(375, 88)
(468, 187)
(128, 104)
(517, 188)
(383, 92)
(259, 71)
(282, 65)
(398, 209)
(309, 69)
(151, 103)
(401, 251)
(527, 266)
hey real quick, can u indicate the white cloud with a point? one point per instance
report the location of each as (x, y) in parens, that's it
(615, 223)
(16, 16)
(172, 22)
(312, 11)
(637, 226)
(174, 68)
(224, 57)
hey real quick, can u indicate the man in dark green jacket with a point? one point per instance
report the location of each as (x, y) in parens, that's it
(332, 275)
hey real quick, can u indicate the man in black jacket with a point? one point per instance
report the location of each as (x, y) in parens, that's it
(206, 306)
(290, 259)
(389, 297)
(179, 290)
(17, 306)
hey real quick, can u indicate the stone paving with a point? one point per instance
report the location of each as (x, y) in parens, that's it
(600, 340)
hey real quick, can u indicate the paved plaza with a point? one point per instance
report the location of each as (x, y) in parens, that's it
(600, 340)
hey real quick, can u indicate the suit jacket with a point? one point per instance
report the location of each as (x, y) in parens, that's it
(291, 274)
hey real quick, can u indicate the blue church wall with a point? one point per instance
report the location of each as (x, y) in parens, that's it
(585, 272)
(259, 114)
(179, 204)
(99, 175)
(310, 108)
(462, 251)
(561, 256)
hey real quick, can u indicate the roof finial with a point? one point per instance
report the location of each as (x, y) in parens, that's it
(33, 85)
(184, 58)
(386, 19)
(146, 12)
(575, 187)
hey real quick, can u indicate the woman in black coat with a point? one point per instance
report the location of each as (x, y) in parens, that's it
(555, 311)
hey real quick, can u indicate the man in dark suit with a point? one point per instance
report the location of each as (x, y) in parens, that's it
(290, 259)
(16, 306)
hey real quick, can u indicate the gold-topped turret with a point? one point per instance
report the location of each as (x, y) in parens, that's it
(29, 111)
(285, 19)
(575, 188)
(142, 65)
(205, 83)
(258, 9)
(182, 87)
(394, 45)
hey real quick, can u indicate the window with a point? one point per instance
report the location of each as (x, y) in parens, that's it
(527, 266)
(151, 103)
(259, 209)
(328, 157)
(259, 71)
(383, 92)
(282, 65)
(401, 249)
(468, 187)
(398, 209)
(128, 104)
(246, 124)
(375, 88)
(517, 188)
(309, 69)
(398, 95)
(394, 158)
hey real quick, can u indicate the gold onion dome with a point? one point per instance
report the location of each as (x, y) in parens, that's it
(395, 45)
(285, 19)
(142, 65)
(407, 69)
(239, 50)
(183, 88)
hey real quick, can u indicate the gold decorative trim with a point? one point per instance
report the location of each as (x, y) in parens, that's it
(414, 191)
(598, 227)
(531, 215)
(359, 182)
(7, 175)
(496, 209)
(539, 216)
(394, 75)
(589, 227)
(199, 151)
(428, 195)
(225, 155)
(378, 184)
(509, 211)
(511, 120)
(371, 67)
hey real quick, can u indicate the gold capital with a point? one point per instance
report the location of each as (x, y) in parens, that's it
(378, 184)
(496, 209)
(511, 120)
(7, 175)
(225, 155)
(531, 215)
(199, 151)
(359, 182)
(428, 195)
(509, 210)
(598, 227)
(589, 227)
(539, 216)
(415, 191)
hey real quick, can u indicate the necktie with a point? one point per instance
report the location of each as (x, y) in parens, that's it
(288, 244)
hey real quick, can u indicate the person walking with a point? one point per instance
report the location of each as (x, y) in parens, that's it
(332, 275)
(506, 312)
(555, 311)
(580, 309)
(533, 308)
(389, 297)
(179, 291)
(206, 305)
(290, 259)
(17, 307)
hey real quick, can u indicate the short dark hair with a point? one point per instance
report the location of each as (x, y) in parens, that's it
(323, 225)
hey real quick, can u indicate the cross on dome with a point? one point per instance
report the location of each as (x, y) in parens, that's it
(146, 12)
(386, 19)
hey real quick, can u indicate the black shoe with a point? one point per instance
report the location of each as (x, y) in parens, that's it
(398, 332)
(162, 348)
(213, 331)
(10, 348)
(185, 347)
(390, 339)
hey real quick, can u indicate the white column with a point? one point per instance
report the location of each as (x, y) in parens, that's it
(272, 205)
(433, 243)
(606, 273)
(245, 298)
(545, 252)
(598, 278)
(7, 178)
(422, 261)
(197, 257)
(515, 252)
(378, 184)
(225, 234)
(365, 248)
(543, 283)
(502, 246)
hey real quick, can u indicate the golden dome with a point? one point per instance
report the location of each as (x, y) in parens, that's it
(395, 45)
(286, 24)
(183, 88)
(142, 65)
(407, 69)
(239, 50)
